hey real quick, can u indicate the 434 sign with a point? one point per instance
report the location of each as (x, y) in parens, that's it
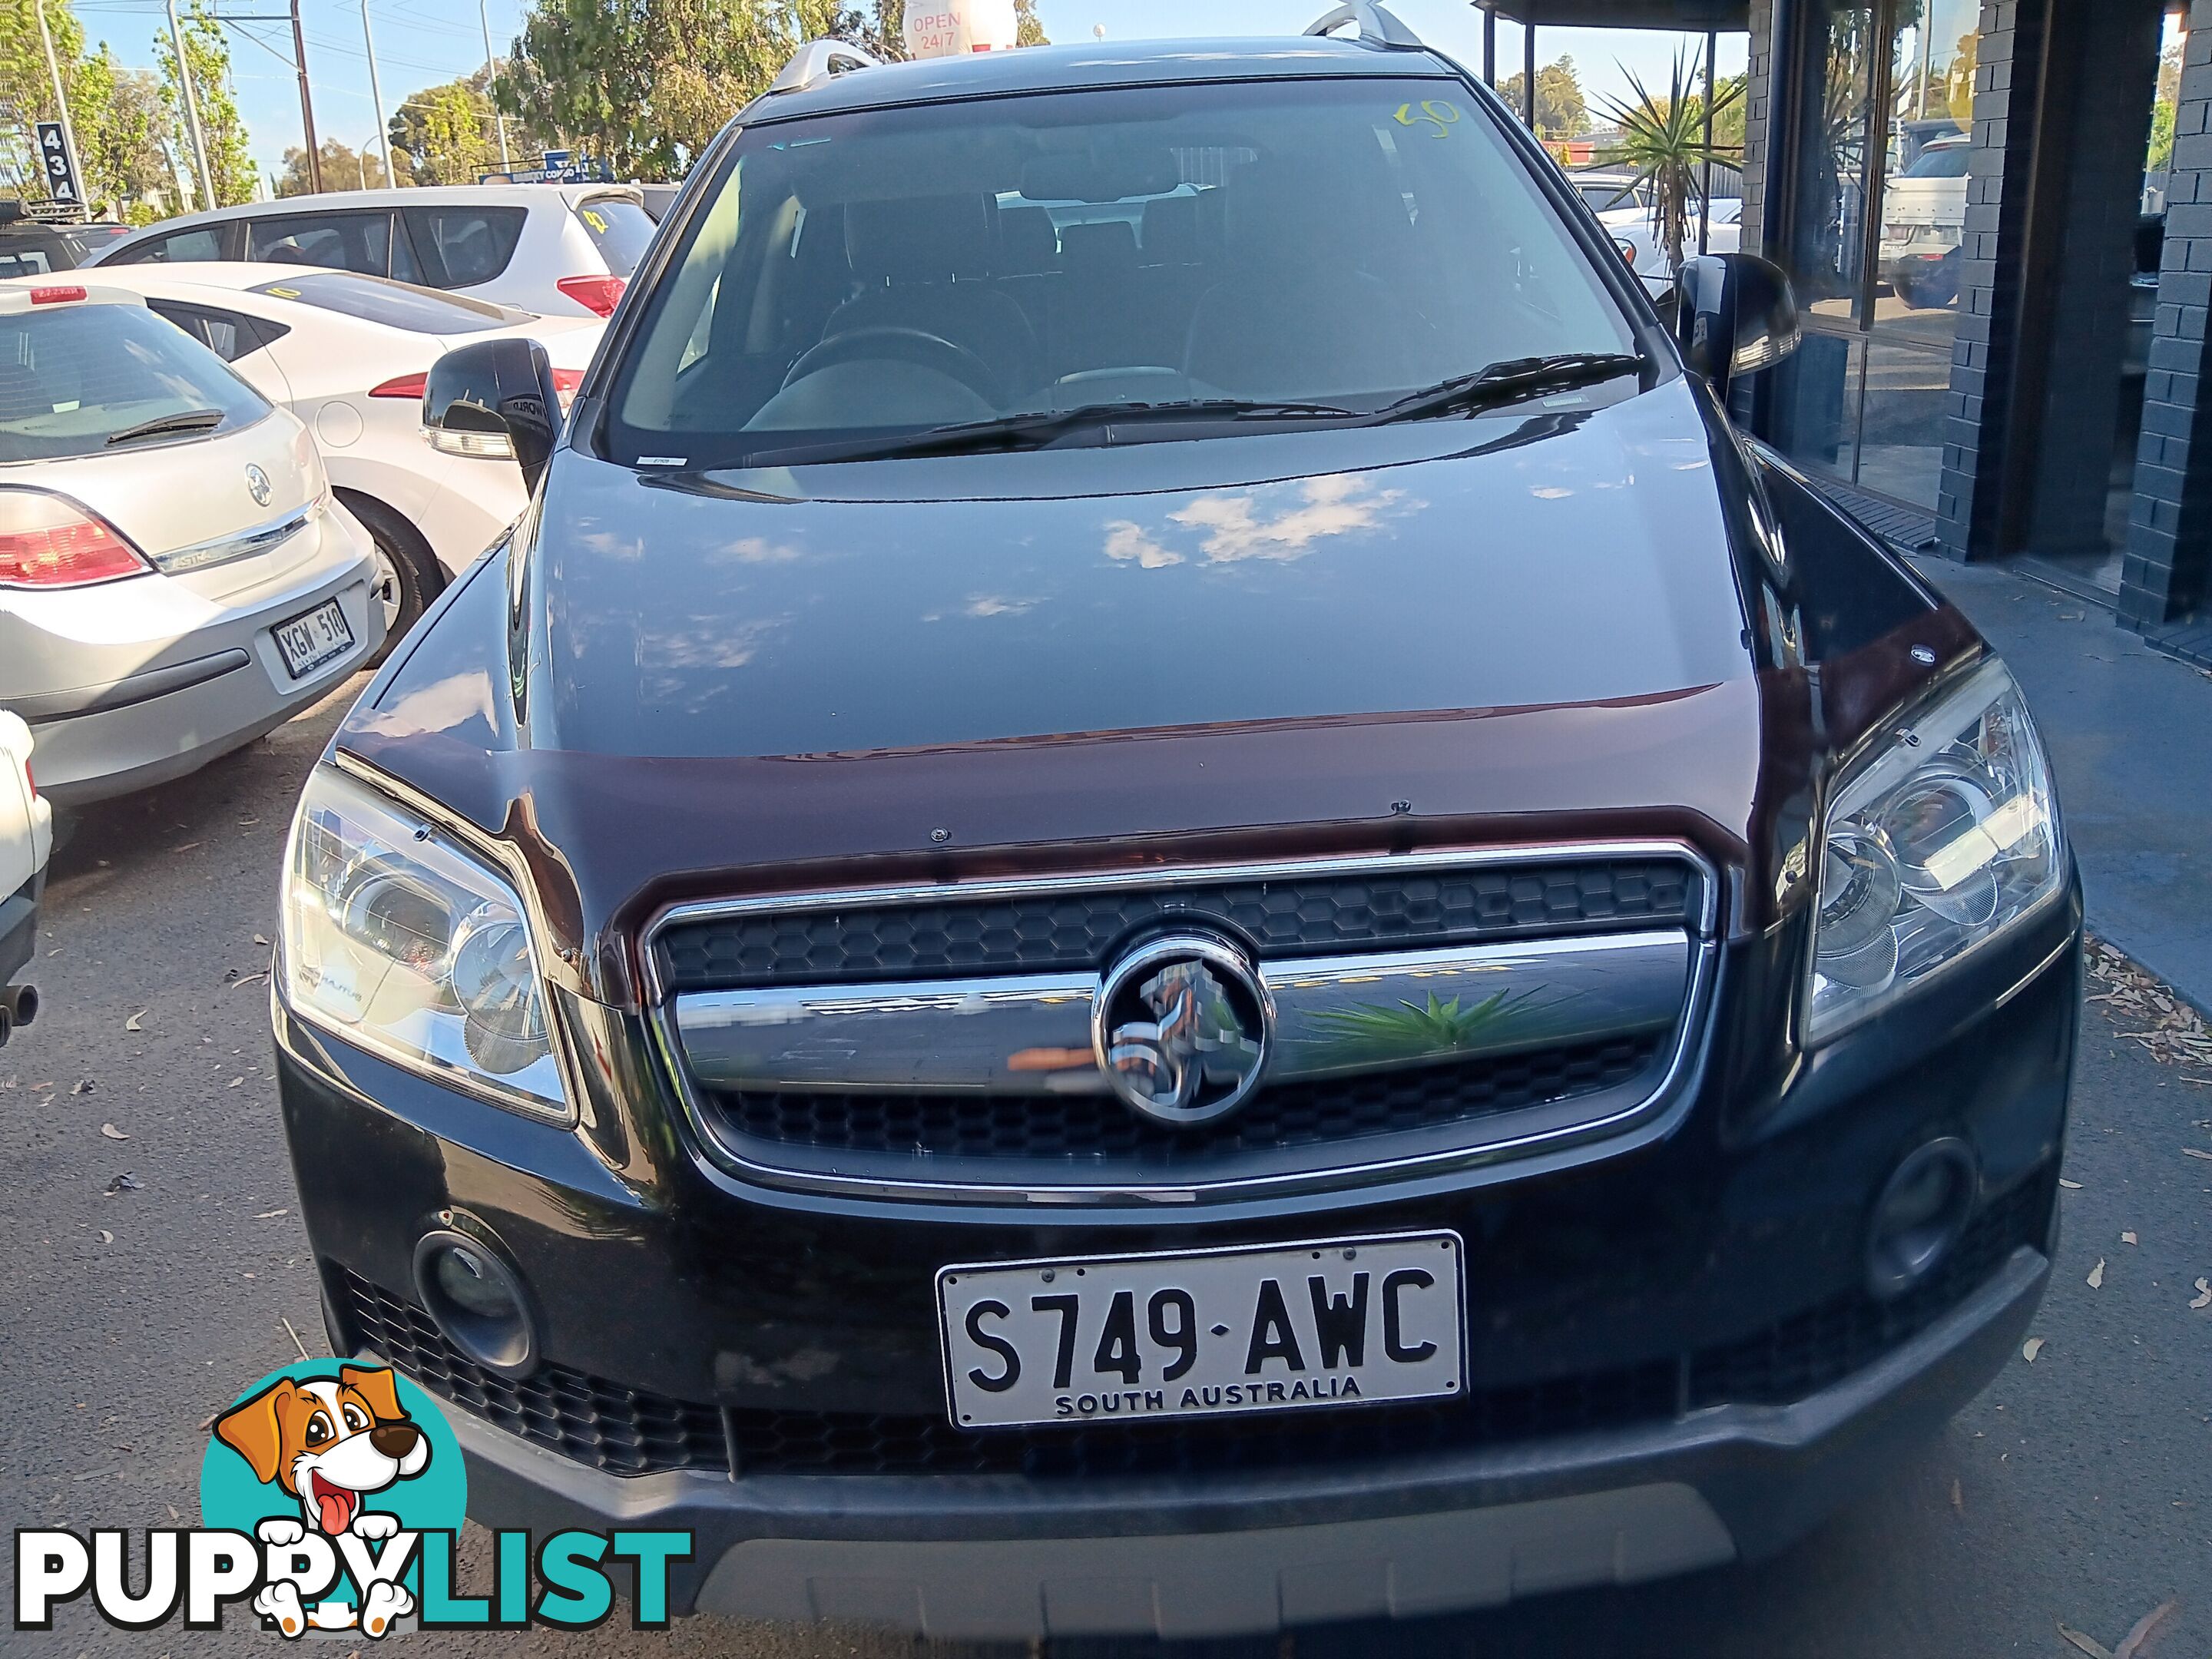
(61, 167)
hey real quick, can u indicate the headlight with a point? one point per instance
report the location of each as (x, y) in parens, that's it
(1932, 844)
(399, 940)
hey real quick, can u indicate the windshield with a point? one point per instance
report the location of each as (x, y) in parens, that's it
(396, 305)
(1341, 242)
(72, 378)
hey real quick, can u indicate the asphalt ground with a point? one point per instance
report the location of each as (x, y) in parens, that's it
(2078, 1488)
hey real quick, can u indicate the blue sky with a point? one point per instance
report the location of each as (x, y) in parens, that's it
(420, 43)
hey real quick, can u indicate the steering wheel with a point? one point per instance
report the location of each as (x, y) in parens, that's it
(911, 345)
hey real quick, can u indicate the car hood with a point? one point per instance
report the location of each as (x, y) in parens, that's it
(1528, 624)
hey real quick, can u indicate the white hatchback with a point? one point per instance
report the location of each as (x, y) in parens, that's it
(347, 355)
(556, 250)
(176, 577)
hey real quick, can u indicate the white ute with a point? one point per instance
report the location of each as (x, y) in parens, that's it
(176, 576)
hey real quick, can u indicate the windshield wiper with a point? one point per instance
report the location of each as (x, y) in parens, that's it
(1036, 428)
(1509, 381)
(189, 420)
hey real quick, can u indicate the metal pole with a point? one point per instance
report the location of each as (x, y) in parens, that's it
(1529, 73)
(61, 100)
(376, 97)
(491, 77)
(1490, 48)
(307, 104)
(193, 111)
(1705, 213)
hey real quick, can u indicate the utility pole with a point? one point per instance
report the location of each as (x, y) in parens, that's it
(61, 98)
(307, 104)
(193, 111)
(376, 97)
(491, 73)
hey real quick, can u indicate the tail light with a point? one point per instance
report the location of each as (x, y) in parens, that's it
(565, 381)
(406, 386)
(597, 294)
(47, 541)
(55, 296)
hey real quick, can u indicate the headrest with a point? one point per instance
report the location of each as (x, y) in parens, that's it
(1110, 245)
(918, 239)
(1171, 231)
(1027, 241)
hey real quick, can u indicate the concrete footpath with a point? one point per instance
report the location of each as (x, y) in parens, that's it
(2130, 739)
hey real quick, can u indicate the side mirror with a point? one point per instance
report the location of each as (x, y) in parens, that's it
(494, 398)
(1733, 315)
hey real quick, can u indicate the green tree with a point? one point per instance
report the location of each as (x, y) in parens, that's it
(445, 135)
(26, 87)
(343, 168)
(230, 166)
(1561, 110)
(120, 125)
(1028, 32)
(1664, 140)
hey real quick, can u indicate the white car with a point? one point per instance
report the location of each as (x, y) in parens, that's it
(347, 354)
(176, 576)
(1623, 207)
(1924, 224)
(556, 250)
(27, 836)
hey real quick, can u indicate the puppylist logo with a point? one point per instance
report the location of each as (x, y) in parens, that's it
(332, 1497)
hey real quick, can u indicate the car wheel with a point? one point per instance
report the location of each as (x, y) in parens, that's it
(407, 574)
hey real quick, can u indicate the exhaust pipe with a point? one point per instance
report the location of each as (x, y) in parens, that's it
(19, 1006)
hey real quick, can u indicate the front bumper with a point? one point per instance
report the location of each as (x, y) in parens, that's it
(1672, 1358)
(1002, 1561)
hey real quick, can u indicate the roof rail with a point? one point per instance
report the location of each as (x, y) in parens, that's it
(1378, 26)
(815, 61)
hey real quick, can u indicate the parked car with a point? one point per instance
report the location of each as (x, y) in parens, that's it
(1056, 951)
(553, 250)
(1923, 222)
(657, 199)
(347, 354)
(1623, 205)
(31, 247)
(176, 577)
(27, 836)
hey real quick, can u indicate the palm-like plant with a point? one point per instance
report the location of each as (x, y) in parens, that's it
(1664, 140)
(1374, 1033)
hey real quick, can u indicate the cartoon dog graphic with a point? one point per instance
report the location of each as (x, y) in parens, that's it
(328, 1444)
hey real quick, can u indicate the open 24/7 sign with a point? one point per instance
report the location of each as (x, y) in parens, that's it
(61, 166)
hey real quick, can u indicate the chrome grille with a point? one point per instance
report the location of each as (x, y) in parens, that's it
(1426, 1009)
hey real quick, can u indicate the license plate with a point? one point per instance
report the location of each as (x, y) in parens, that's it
(307, 642)
(1204, 1332)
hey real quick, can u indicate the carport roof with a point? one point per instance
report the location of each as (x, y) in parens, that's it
(1626, 14)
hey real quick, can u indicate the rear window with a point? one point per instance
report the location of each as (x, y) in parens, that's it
(620, 229)
(1938, 161)
(461, 247)
(396, 305)
(37, 251)
(72, 379)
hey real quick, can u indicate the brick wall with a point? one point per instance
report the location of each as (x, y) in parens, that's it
(2164, 575)
(1984, 354)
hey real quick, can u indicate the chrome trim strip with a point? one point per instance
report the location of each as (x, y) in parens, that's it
(1197, 875)
(1021, 1190)
(1031, 1034)
(205, 556)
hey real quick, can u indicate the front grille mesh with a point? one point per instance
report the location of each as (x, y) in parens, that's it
(1058, 931)
(1278, 1117)
(631, 1432)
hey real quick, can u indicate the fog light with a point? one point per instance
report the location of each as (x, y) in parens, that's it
(477, 1301)
(1922, 1210)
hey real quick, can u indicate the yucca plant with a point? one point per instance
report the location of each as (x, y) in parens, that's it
(1376, 1035)
(1664, 141)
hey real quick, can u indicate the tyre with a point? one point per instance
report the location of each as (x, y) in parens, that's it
(407, 574)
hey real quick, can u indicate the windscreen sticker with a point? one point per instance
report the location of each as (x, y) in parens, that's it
(1435, 113)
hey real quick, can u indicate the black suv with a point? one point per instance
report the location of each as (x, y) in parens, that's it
(1160, 893)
